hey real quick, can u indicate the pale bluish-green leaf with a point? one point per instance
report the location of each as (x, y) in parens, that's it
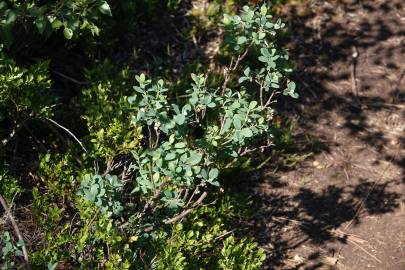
(11, 16)
(263, 59)
(262, 35)
(237, 123)
(170, 156)
(194, 158)
(180, 145)
(242, 79)
(213, 174)
(40, 23)
(252, 104)
(247, 71)
(247, 132)
(241, 40)
(179, 119)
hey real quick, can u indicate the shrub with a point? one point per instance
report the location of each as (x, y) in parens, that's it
(199, 242)
(157, 153)
(187, 143)
(106, 114)
(73, 16)
(9, 184)
(23, 95)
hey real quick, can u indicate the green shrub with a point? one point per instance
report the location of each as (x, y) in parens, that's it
(72, 16)
(105, 112)
(240, 255)
(152, 155)
(183, 144)
(24, 95)
(199, 242)
(59, 173)
(10, 186)
(174, 158)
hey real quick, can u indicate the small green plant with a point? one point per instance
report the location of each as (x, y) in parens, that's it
(103, 191)
(187, 142)
(9, 186)
(105, 112)
(9, 251)
(204, 240)
(59, 173)
(240, 255)
(23, 95)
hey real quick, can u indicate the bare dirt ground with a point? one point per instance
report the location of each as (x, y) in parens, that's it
(343, 205)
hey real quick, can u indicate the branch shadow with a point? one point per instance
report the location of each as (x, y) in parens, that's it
(323, 43)
(287, 221)
(350, 71)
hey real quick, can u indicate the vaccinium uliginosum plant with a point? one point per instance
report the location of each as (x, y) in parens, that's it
(104, 192)
(174, 165)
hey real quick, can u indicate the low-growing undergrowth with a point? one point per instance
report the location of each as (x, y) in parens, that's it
(130, 192)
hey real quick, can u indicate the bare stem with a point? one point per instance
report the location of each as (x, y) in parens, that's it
(17, 230)
(187, 211)
(70, 78)
(269, 101)
(232, 67)
(69, 132)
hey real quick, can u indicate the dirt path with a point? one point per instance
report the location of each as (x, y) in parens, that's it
(344, 206)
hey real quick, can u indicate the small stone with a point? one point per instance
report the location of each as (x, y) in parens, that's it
(317, 165)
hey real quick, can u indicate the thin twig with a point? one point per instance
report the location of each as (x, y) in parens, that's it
(232, 67)
(361, 203)
(196, 191)
(186, 212)
(5, 141)
(224, 234)
(382, 104)
(261, 92)
(365, 251)
(95, 161)
(17, 231)
(247, 151)
(269, 101)
(355, 89)
(69, 132)
(70, 78)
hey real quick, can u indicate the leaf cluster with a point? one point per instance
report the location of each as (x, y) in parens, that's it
(72, 17)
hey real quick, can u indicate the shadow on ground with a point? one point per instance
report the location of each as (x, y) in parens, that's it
(338, 209)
